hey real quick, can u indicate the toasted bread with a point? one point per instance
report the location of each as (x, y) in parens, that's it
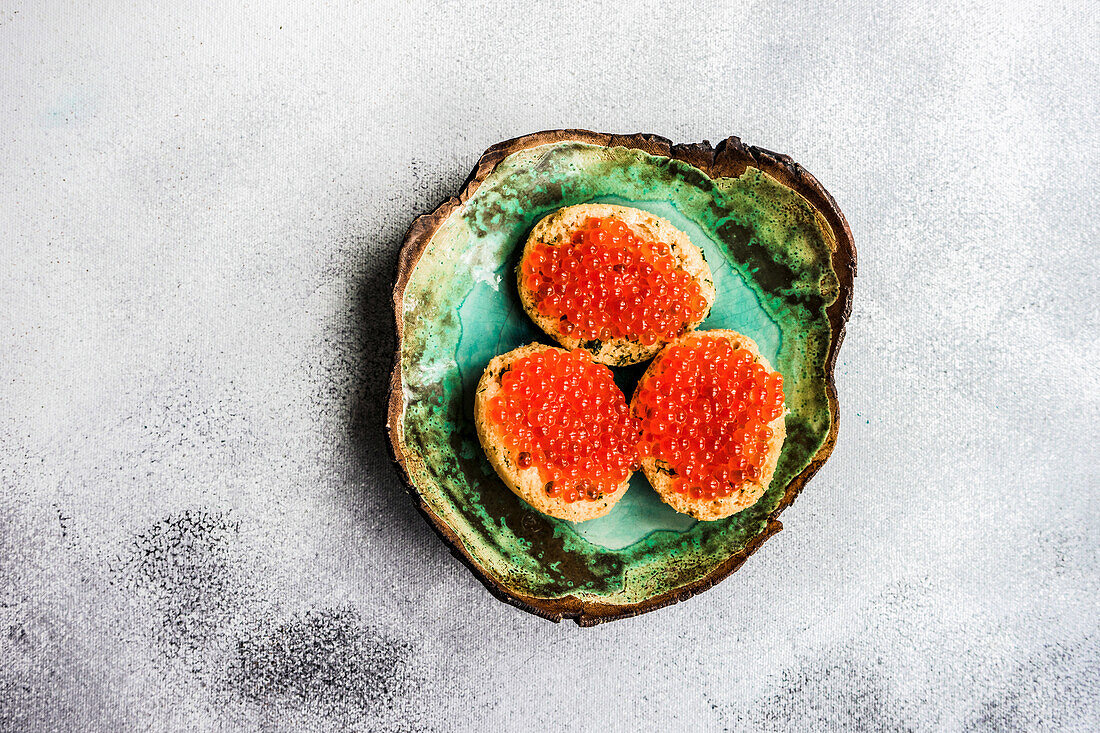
(704, 509)
(557, 229)
(527, 483)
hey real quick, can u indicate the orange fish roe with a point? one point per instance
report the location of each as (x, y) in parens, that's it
(607, 282)
(563, 413)
(705, 410)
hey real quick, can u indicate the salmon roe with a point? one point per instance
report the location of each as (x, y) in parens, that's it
(705, 410)
(606, 282)
(563, 414)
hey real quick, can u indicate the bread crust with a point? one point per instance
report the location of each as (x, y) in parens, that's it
(708, 510)
(557, 229)
(526, 482)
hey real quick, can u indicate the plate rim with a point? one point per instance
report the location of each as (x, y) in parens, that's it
(729, 159)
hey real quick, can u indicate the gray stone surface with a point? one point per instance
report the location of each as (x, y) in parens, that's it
(199, 526)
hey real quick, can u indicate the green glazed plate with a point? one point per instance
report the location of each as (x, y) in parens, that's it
(783, 263)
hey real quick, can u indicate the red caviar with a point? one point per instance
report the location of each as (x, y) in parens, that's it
(705, 411)
(607, 282)
(563, 413)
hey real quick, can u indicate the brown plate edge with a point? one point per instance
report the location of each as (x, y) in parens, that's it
(729, 159)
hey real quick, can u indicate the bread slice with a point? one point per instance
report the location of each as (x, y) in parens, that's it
(557, 229)
(526, 483)
(704, 509)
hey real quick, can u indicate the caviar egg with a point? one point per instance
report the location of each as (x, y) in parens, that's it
(681, 406)
(618, 285)
(562, 414)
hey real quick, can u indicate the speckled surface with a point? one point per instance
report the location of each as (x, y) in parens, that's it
(199, 525)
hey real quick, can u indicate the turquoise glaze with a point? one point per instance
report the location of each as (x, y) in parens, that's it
(771, 261)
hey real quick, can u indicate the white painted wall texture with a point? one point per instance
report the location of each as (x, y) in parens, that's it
(201, 207)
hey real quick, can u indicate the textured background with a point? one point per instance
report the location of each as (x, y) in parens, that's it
(199, 525)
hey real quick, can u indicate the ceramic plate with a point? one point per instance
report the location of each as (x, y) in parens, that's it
(783, 262)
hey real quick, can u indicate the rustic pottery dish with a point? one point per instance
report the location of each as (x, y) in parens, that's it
(783, 261)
